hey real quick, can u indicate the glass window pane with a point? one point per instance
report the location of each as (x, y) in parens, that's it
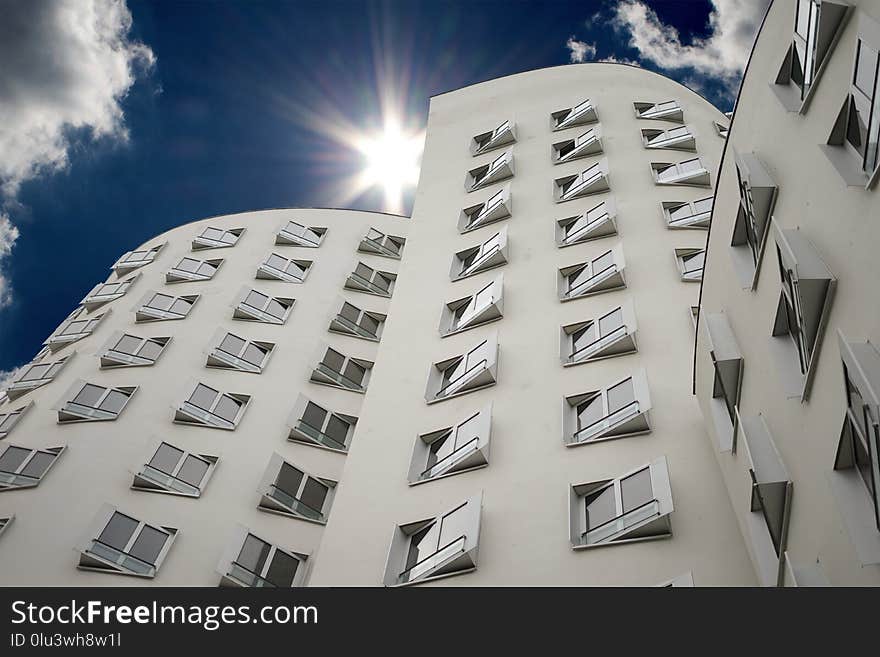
(114, 401)
(256, 299)
(583, 337)
(276, 309)
(355, 372)
(212, 233)
(453, 526)
(334, 360)
(12, 459)
(636, 490)
(38, 465)
(193, 470)
(232, 344)
(600, 507)
(35, 372)
(370, 324)
(314, 493)
(150, 350)
(620, 395)
(277, 262)
(253, 554)
(866, 69)
(610, 322)
(118, 531)
(203, 397)
(180, 306)
(337, 429)
(161, 302)
(128, 344)
(89, 395)
(350, 312)
(282, 569)
(148, 544)
(422, 544)
(289, 479)
(227, 408)
(314, 415)
(254, 354)
(589, 411)
(363, 271)
(166, 458)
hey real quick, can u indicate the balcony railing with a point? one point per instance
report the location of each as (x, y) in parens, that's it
(584, 352)
(450, 459)
(298, 236)
(188, 408)
(592, 280)
(370, 285)
(388, 249)
(253, 310)
(433, 560)
(168, 481)
(606, 423)
(480, 260)
(319, 436)
(247, 577)
(11, 479)
(340, 378)
(625, 521)
(294, 503)
(282, 273)
(461, 379)
(592, 223)
(356, 328)
(574, 186)
(91, 412)
(120, 558)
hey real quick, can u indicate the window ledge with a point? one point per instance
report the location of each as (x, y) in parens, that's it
(723, 427)
(857, 514)
(785, 358)
(845, 164)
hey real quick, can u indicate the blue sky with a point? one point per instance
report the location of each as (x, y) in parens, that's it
(205, 108)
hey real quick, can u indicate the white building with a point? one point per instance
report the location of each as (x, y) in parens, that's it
(787, 364)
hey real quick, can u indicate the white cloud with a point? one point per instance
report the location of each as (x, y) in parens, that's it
(722, 55)
(612, 59)
(580, 51)
(67, 64)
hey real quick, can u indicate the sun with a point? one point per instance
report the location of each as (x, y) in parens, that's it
(391, 161)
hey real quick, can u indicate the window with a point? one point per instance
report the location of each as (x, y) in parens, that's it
(601, 274)
(289, 490)
(483, 306)
(770, 503)
(126, 546)
(817, 24)
(595, 223)
(21, 467)
(136, 259)
(452, 450)
(4, 523)
(106, 292)
(688, 214)
(804, 303)
(235, 353)
(78, 325)
(378, 243)
(216, 238)
(190, 269)
(254, 306)
(366, 279)
(757, 197)
(495, 208)
(593, 180)
(669, 110)
(294, 234)
(585, 145)
(340, 371)
(620, 410)
(727, 371)
(255, 563)
(634, 507)
(207, 407)
(126, 350)
(432, 548)
(313, 424)
(690, 263)
(9, 418)
(87, 402)
(473, 260)
(856, 476)
(502, 135)
(581, 114)
(463, 373)
(612, 334)
(279, 268)
(174, 471)
(721, 129)
(501, 168)
(689, 173)
(853, 144)
(675, 139)
(33, 376)
(353, 321)
(157, 307)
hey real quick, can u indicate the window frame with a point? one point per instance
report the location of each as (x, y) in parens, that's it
(358, 283)
(584, 145)
(202, 417)
(497, 207)
(696, 220)
(481, 258)
(583, 113)
(651, 111)
(498, 170)
(608, 279)
(272, 504)
(284, 237)
(123, 266)
(481, 373)
(19, 387)
(95, 298)
(603, 224)
(7, 479)
(68, 409)
(145, 481)
(590, 181)
(60, 338)
(660, 139)
(177, 275)
(244, 311)
(625, 343)
(682, 258)
(323, 374)
(757, 200)
(219, 358)
(233, 552)
(146, 313)
(298, 434)
(7, 413)
(613, 428)
(268, 272)
(344, 326)
(378, 247)
(700, 177)
(202, 243)
(502, 135)
(474, 451)
(111, 358)
(450, 321)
